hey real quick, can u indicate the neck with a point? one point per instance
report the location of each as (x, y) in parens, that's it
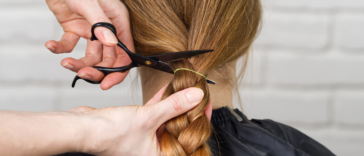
(220, 93)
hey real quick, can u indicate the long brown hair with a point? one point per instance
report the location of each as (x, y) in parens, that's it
(164, 26)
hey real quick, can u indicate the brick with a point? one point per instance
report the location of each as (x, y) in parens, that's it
(26, 26)
(34, 63)
(36, 67)
(20, 1)
(344, 146)
(286, 106)
(85, 94)
(349, 106)
(315, 4)
(335, 139)
(323, 70)
(349, 31)
(294, 30)
(27, 98)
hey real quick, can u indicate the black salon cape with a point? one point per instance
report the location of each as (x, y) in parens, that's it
(255, 138)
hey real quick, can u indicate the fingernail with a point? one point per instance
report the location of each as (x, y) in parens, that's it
(85, 76)
(109, 36)
(194, 95)
(52, 49)
(67, 65)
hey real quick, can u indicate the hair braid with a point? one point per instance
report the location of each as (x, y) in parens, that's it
(187, 134)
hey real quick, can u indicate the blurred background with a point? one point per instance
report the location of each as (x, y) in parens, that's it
(306, 69)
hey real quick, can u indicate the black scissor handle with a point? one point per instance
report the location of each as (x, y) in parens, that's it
(102, 24)
(106, 71)
(113, 30)
(77, 77)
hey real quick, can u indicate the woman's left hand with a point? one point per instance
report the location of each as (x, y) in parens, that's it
(134, 130)
(124, 130)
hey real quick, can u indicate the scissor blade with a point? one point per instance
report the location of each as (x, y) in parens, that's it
(179, 55)
(163, 67)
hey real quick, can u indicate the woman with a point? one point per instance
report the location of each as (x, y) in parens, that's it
(228, 27)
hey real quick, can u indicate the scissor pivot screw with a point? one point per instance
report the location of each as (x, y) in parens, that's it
(148, 63)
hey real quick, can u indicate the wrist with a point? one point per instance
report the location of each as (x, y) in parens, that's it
(82, 130)
(95, 134)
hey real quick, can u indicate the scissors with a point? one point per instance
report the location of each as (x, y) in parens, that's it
(154, 61)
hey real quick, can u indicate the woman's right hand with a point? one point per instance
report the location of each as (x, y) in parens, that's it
(76, 18)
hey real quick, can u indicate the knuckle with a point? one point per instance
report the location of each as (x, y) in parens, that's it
(176, 103)
(79, 109)
(109, 58)
(148, 117)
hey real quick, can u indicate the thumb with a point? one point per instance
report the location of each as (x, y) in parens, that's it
(176, 104)
(106, 36)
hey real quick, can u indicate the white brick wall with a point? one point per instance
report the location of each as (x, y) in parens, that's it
(348, 36)
(349, 106)
(27, 26)
(291, 30)
(27, 98)
(314, 70)
(317, 4)
(288, 106)
(306, 69)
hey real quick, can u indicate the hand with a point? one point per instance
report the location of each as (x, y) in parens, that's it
(76, 17)
(134, 130)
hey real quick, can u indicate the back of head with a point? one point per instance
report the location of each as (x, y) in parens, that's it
(164, 26)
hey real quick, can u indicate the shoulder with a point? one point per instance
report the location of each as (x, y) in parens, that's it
(293, 136)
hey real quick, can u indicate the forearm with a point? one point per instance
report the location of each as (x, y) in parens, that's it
(47, 133)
